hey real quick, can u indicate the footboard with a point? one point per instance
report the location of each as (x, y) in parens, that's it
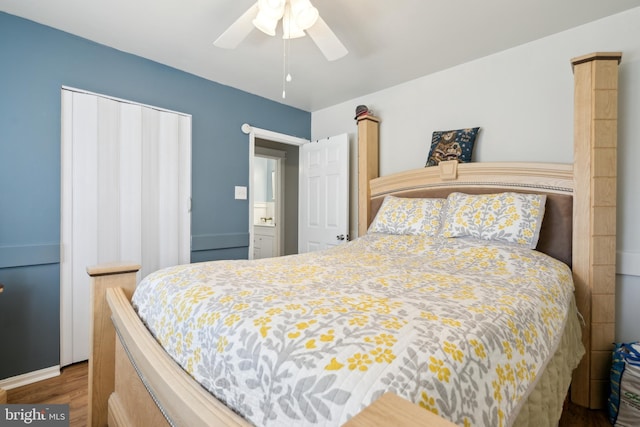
(103, 336)
(132, 380)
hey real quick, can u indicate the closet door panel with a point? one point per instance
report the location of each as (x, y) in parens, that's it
(66, 231)
(108, 183)
(184, 150)
(130, 176)
(150, 173)
(168, 190)
(84, 250)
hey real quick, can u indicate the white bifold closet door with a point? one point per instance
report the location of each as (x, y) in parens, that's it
(126, 191)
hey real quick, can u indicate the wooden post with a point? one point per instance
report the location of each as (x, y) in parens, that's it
(368, 135)
(594, 223)
(103, 337)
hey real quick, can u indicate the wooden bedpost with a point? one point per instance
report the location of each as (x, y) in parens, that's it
(594, 219)
(103, 337)
(368, 135)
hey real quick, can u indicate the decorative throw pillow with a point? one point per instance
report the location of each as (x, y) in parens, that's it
(452, 145)
(408, 216)
(503, 217)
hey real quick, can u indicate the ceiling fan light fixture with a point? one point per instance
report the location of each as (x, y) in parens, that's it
(290, 29)
(265, 23)
(275, 4)
(304, 13)
(264, 16)
(271, 8)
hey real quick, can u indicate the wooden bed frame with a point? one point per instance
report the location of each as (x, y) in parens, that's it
(132, 381)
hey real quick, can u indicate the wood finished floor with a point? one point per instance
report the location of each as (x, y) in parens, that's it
(72, 387)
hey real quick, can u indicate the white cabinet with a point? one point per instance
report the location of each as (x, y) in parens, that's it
(264, 240)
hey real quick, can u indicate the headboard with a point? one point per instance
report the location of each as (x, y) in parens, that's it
(554, 180)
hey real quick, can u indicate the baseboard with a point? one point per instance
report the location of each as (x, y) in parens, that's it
(30, 377)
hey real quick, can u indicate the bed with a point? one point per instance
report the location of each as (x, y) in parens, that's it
(361, 319)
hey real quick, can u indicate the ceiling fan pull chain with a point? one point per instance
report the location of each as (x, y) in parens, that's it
(286, 51)
(289, 78)
(284, 68)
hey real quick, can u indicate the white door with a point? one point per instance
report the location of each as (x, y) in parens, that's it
(126, 185)
(324, 194)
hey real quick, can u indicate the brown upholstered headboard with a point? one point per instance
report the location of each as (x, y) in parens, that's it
(554, 180)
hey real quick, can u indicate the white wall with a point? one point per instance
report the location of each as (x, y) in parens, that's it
(522, 98)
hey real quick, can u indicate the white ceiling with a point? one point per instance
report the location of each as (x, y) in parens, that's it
(389, 42)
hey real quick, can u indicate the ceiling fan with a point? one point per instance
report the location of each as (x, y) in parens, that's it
(298, 17)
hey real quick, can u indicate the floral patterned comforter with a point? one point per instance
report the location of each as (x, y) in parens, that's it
(458, 326)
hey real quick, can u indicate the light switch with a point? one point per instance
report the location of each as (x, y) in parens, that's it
(241, 192)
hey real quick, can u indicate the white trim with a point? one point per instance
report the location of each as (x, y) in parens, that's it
(269, 135)
(628, 263)
(30, 377)
(273, 136)
(66, 181)
(124, 101)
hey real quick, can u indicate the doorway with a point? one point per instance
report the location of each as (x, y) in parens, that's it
(286, 157)
(269, 222)
(260, 139)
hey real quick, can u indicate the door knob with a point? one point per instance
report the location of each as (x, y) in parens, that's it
(340, 237)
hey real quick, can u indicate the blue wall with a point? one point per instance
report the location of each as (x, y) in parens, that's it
(35, 61)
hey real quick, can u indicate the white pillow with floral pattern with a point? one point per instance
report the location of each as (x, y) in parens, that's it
(413, 216)
(504, 217)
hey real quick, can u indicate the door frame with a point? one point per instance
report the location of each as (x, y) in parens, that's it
(269, 135)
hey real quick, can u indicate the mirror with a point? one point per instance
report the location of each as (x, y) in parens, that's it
(264, 199)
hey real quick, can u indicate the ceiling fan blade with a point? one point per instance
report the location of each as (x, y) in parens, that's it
(331, 47)
(239, 30)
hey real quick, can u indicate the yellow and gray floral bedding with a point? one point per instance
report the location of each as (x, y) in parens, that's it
(461, 327)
